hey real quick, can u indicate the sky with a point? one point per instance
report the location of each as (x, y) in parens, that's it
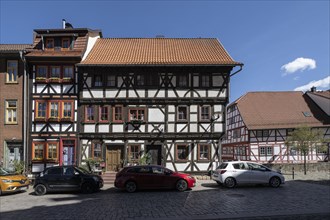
(284, 45)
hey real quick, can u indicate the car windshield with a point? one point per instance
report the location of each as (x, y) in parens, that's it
(4, 172)
(82, 170)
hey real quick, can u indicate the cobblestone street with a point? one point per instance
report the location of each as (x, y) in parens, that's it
(303, 199)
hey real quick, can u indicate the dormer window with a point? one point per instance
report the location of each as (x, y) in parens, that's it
(65, 43)
(50, 44)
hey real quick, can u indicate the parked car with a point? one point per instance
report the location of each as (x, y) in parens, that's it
(235, 173)
(66, 178)
(134, 178)
(12, 182)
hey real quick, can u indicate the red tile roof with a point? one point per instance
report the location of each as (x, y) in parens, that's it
(158, 51)
(14, 47)
(270, 110)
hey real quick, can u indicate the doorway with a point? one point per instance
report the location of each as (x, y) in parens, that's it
(156, 154)
(113, 157)
(68, 154)
(14, 153)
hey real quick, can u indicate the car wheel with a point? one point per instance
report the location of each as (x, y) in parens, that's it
(181, 185)
(230, 182)
(87, 188)
(275, 182)
(40, 190)
(130, 186)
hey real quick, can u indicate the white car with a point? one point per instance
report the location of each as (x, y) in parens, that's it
(235, 173)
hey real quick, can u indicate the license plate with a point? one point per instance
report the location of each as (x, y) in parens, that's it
(24, 188)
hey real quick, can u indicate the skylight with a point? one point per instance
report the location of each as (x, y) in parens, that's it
(307, 114)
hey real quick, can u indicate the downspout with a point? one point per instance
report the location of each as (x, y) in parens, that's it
(25, 114)
(225, 114)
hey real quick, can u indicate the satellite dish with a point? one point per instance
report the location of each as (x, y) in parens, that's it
(68, 25)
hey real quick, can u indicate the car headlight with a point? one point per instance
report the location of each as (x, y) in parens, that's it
(96, 179)
(7, 181)
(191, 177)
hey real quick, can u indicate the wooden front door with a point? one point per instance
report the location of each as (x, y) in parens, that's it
(155, 152)
(113, 158)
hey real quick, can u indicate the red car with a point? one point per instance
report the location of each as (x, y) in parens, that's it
(152, 177)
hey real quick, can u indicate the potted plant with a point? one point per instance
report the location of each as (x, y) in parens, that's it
(40, 119)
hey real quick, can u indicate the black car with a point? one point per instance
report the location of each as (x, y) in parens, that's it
(66, 178)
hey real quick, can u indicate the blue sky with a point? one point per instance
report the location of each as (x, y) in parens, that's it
(284, 45)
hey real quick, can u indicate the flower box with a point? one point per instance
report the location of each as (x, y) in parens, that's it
(66, 119)
(67, 80)
(40, 119)
(41, 80)
(54, 80)
(54, 119)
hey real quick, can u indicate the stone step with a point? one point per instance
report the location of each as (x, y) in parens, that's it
(109, 177)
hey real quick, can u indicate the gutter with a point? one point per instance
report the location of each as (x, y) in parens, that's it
(240, 69)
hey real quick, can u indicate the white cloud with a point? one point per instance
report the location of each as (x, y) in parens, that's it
(322, 83)
(298, 64)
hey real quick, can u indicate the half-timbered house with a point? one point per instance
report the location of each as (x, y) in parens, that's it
(54, 92)
(12, 105)
(259, 122)
(159, 98)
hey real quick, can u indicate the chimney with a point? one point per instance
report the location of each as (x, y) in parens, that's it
(313, 89)
(63, 23)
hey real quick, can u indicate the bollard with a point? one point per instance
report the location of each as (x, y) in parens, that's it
(293, 173)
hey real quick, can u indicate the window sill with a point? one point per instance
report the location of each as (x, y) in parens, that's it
(11, 83)
(181, 161)
(13, 123)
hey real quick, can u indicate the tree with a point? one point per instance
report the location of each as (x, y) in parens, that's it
(305, 139)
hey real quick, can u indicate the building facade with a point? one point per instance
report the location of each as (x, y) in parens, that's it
(53, 94)
(258, 124)
(161, 100)
(12, 90)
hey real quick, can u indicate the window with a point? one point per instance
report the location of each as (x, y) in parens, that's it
(52, 150)
(266, 151)
(41, 108)
(182, 151)
(262, 133)
(133, 153)
(182, 80)
(136, 114)
(67, 110)
(11, 112)
(53, 110)
(55, 72)
(38, 151)
(65, 43)
(104, 113)
(68, 72)
(205, 80)
(139, 80)
(97, 150)
(49, 44)
(41, 72)
(89, 113)
(236, 133)
(55, 171)
(12, 69)
(118, 113)
(205, 113)
(98, 80)
(182, 114)
(111, 80)
(204, 152)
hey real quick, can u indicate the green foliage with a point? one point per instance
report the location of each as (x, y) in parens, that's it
(145, 159)
(19, 166)
(305, 139)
